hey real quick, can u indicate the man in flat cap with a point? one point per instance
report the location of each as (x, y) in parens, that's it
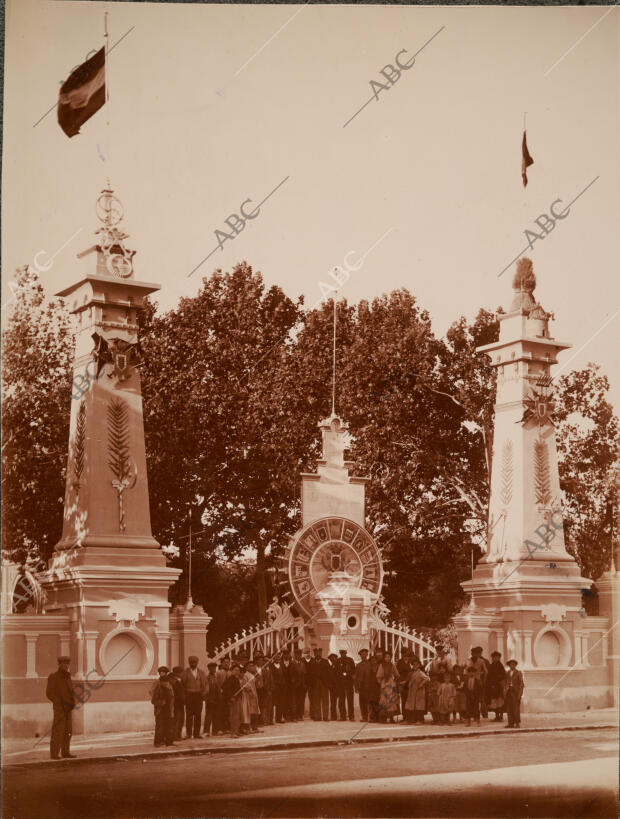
(194, 682)
(60, 692)
(513, 691)
(162, 698)
(213, 700)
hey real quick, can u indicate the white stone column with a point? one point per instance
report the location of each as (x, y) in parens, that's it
(91, 650)
(499, 640)
(527, 652)
(584, 648)
(31, 654)
(518, 639)
(65, 644)
(577, 637)
(163, 639)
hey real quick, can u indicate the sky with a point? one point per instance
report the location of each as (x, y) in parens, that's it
(213, 105)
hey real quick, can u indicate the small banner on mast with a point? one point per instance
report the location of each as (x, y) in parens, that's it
(82, 94)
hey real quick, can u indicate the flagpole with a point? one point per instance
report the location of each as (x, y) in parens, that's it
(107, 78)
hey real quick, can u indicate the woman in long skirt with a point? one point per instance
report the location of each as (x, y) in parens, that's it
(387, 675)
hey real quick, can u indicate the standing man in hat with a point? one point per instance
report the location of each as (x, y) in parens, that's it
(480, 666)
(175, 680)
(162, 697)
(494, 693)
(336, 688)
(320, 671)
(513, 691)
(60, 692)
(363, 682)
(346, 668)
(213, 701)
(194, 683)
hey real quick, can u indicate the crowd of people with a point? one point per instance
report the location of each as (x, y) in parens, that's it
(242, 696)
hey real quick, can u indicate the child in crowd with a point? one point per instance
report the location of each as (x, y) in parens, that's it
(447, 698)
(460, 703)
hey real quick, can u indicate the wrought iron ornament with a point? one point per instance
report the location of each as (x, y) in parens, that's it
(332, 545)
(118, 259)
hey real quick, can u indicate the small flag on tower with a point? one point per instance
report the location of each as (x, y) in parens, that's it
(526, 161)
(82, 94)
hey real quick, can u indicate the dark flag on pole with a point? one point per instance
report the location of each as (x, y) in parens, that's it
(82, 94)
(526, 161)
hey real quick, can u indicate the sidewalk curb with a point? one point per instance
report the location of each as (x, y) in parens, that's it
(50, 764)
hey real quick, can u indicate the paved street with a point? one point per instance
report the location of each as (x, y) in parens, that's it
(553, 774)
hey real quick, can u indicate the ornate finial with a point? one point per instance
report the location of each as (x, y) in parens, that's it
(523, 283)
(117, 258)
(524, 278)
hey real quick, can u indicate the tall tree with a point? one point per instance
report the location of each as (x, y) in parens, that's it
(220, 439)
(588, 453)
(37, 346)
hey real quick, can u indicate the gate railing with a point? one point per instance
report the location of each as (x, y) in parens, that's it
(395, 638)
(267, 639)
(262, 638)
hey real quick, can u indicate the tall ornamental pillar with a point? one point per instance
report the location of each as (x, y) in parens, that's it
(526, 591)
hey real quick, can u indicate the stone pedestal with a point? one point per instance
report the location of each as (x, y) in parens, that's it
(609, 607)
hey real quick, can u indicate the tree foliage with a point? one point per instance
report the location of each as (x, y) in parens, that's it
(37, 348)
(234, 383)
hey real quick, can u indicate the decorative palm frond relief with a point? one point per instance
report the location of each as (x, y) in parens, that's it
(79, 447)
(542, 474)
(119, 461)
(507, 473)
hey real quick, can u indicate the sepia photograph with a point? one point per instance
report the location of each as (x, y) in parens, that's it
(310, 410)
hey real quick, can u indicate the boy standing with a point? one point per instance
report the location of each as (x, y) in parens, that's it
(162, 697)
(513, 691)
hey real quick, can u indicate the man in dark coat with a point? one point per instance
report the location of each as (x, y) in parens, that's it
(320, 675)
(279, 688)
(494, 692)
(513, 691)
(291, 674)
(336, 689)
(179, 700)
(374, 689)
(213, 702)
(346, 670)
(60, 692)
(302, 684)
(162, 698)
(363, 675)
